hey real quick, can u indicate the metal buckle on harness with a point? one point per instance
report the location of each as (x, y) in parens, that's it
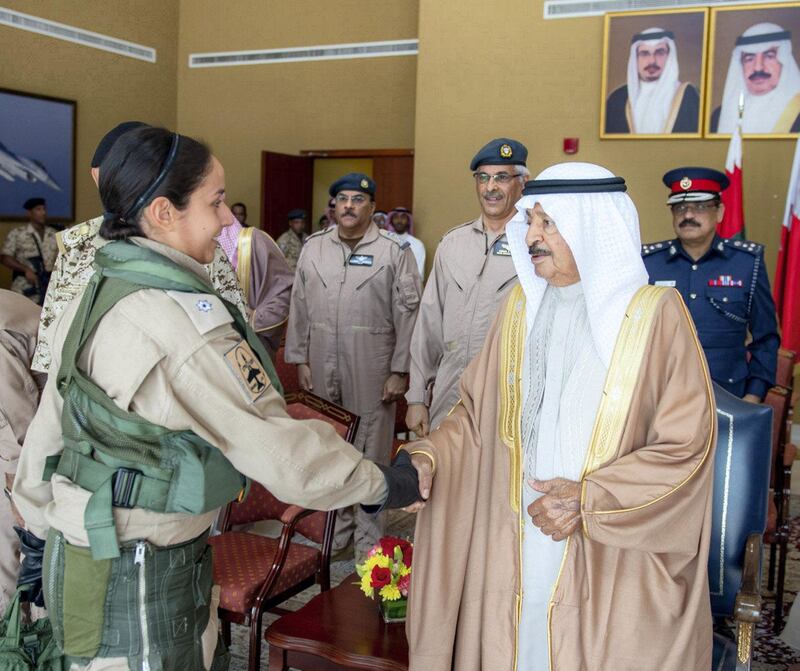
(122, 483)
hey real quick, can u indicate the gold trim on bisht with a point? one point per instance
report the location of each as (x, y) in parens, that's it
(244, 249)
(512, 341)
(634, 334)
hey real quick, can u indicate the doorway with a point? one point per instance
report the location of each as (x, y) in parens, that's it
(289, 181)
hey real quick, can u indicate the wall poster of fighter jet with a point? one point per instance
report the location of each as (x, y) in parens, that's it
(37, 154)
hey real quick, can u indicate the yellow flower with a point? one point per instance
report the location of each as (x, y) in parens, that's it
(390, 592)
(366, 584)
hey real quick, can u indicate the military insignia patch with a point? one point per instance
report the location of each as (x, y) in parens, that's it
(506, 151)
(364, 184)
(686, 184)
(204, 306)
(247, 370)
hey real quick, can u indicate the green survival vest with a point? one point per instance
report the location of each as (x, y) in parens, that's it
(124, 460)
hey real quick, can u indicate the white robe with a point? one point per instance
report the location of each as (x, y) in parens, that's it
(563, 378)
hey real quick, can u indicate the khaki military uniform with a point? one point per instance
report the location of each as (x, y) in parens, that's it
(24, 243)
(19, 397)
(175, 359)
(472, 272)
(351, 319)
(73, 269)
(291, 245)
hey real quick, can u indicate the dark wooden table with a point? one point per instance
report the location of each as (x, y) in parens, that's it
(337, 630)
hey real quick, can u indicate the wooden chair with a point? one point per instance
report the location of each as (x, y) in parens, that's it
(739, 511)
(785, 373)
(256, 573)
(779, 399)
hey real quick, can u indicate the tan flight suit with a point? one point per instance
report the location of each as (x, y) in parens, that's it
(19, 397)
(169, 358)
(352, 325)
(73, 269)
(472, 272)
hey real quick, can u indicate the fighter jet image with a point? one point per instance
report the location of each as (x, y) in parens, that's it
(14, 167)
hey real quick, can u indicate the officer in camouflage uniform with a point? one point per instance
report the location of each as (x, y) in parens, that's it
(30, 251)
(291, 242)
(77, 246)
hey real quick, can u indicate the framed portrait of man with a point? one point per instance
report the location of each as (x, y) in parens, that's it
(37, 154)
(653, 74)
(753, 65)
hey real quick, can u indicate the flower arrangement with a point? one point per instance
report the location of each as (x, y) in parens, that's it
(387, 572)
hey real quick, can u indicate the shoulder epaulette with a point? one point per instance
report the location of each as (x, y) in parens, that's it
(653, 247)
(394, 238)
(753, 248)
(456, 228)
(319, 234)
(78, 234)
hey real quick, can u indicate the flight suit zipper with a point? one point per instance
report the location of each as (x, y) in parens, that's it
(139, 560)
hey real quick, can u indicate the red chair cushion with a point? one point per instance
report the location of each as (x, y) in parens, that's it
(242, 562)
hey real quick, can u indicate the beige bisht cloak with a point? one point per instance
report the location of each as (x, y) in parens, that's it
(632, 592)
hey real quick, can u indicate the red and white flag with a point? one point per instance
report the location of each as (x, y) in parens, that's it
(787, 274)
(732, 224)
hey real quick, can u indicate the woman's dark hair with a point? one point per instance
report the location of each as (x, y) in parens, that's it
(134, 165)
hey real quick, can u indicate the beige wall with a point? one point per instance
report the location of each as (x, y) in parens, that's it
(339, 104)
(486, 70)
(108, 88)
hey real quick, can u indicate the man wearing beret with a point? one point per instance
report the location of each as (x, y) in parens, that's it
(76, 249)
(354, 304)
(291, 241)
(723, 283)
(30, 252)
(472, 272)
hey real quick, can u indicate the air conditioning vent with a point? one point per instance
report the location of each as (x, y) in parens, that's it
(294, 54)
(568, 9)
(87, 38)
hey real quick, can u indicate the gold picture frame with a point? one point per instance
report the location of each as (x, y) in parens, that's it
(687, 29)
(727, 26)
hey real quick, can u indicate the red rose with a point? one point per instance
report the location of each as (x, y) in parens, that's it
(388, 544)
(408, 553)
(380, 576)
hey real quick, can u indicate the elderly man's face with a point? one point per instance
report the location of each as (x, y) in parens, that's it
(762, 71)
(550, 254)
(650, 60)
(497, 197)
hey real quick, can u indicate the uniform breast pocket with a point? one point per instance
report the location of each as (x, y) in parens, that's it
(372, 297)
(730, 302)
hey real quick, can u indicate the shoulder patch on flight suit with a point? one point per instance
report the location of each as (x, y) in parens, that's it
(206, 311)
(247, 370)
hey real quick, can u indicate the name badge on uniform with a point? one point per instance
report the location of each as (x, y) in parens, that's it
(500, 248)
(665, 283)
(360, 260)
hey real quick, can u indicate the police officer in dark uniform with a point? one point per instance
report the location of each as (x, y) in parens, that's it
(723, 282)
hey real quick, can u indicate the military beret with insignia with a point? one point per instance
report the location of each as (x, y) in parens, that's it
(297, 213)
(33, 202)
(353, 181)
(500, 151)
(693, 184)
